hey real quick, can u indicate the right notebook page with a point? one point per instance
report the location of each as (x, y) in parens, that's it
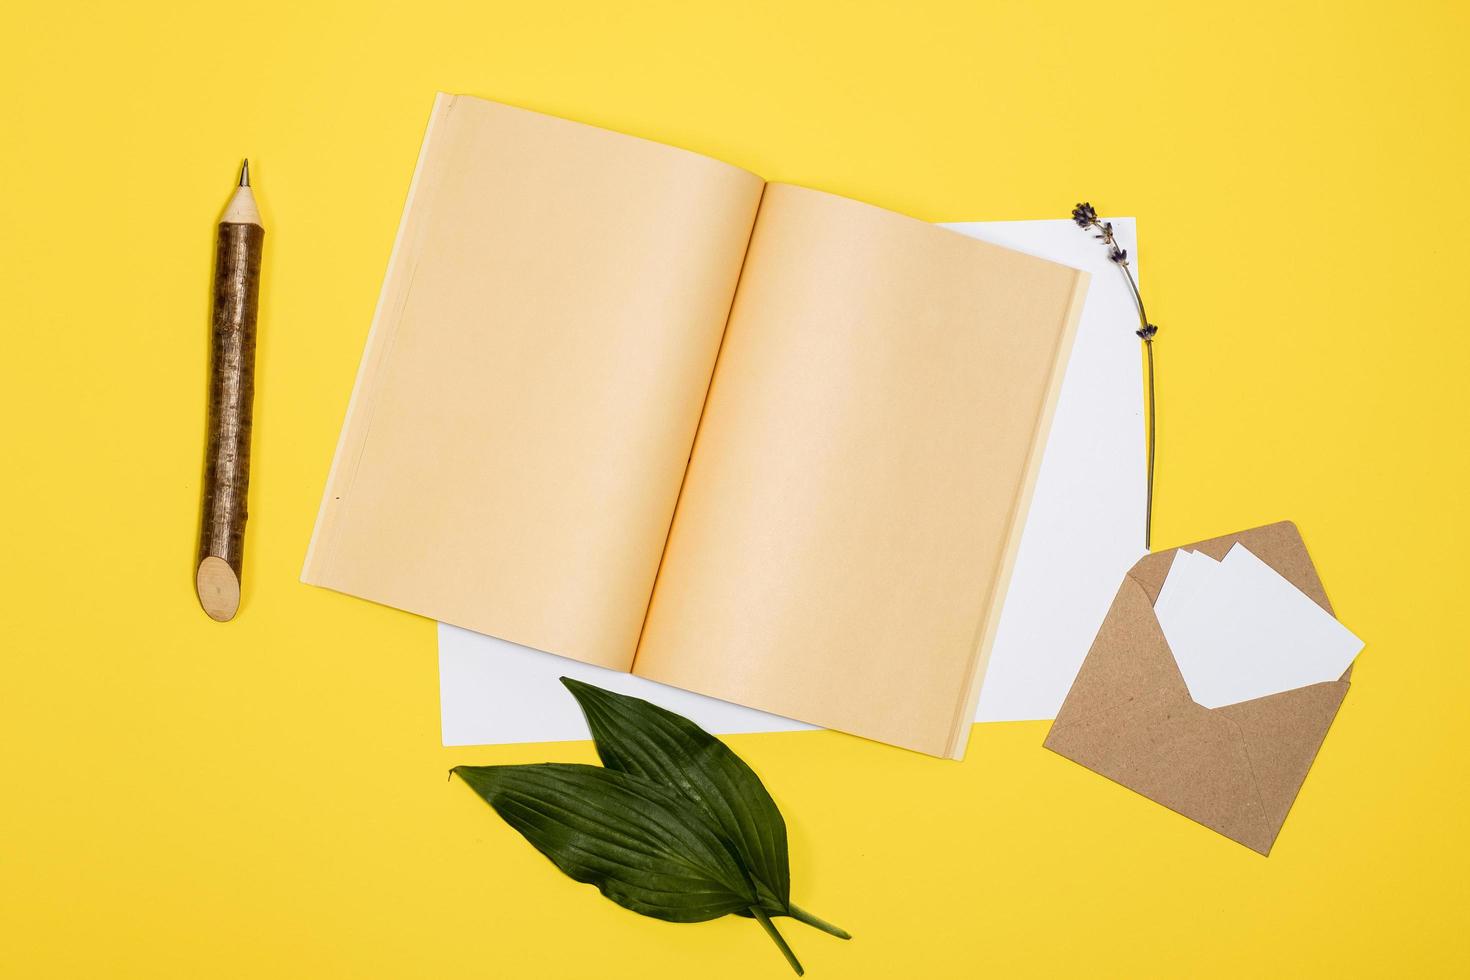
(859, 480)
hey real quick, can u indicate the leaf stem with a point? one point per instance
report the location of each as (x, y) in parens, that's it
(802, 915)
(770, 928)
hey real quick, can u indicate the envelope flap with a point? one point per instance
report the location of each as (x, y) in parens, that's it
(1279, 545)
(1176, 753)
(1282, 734)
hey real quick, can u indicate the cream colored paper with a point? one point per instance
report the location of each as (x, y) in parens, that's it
(533, 379)
(858, 485)
(537, 370)
(1074, 548)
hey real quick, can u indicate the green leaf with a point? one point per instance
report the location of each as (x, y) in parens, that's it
(642, 739)
(644, 847)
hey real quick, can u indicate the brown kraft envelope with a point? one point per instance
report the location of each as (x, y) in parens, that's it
(1235, 769)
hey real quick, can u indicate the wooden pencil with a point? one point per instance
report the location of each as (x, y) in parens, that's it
(231, 393)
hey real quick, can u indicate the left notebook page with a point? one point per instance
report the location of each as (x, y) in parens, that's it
(533, 379)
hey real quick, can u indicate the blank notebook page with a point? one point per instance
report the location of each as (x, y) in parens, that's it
(533, 379)
(859, 482)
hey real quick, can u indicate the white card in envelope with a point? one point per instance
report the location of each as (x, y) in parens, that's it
(1239, 630)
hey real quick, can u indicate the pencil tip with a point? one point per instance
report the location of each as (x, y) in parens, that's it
(245, 173)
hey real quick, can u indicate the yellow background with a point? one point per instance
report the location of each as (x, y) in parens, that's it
(268, 797)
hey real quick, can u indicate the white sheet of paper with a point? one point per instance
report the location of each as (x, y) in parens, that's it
(1086, 522)
(1084, 530)
(1239, 630)
(492, 691)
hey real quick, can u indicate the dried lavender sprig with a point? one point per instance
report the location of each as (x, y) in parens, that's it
(1086, 217)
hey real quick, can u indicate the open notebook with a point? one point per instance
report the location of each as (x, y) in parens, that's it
(634, 406)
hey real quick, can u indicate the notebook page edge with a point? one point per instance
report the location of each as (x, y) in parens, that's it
(999, 586)
(315, 566)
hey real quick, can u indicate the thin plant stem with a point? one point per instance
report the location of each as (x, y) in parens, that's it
(802, 915)
(770, 927)
(1085, 217)
(1148, 514)
(1148, 345)
(1137, 296)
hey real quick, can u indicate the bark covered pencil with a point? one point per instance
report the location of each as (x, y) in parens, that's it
(231, 394)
